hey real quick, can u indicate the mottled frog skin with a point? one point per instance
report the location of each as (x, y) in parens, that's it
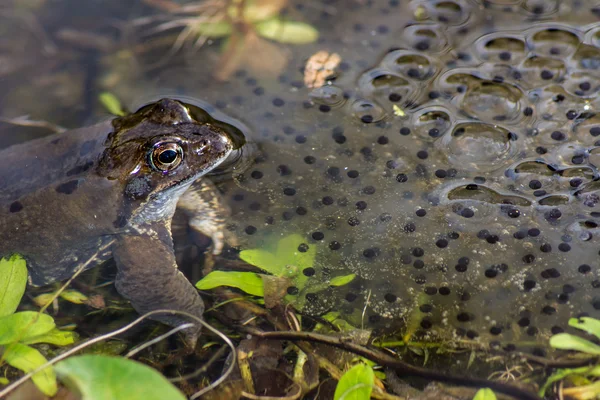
(73, 200)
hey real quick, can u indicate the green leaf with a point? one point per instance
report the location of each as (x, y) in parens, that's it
(248, 282)
(99, 377)
(24, 325)
(285, 261)
(566, 341)
(4, 381)
(587, 324)
(73, 296)
(355, 384)
(485, 394)
(111, 103)
(287, 31)
(13, 279)
(55, 337)
(342, 280)
(213, 29)
(27, 359)
(263, 260)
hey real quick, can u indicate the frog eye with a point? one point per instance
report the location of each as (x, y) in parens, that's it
(166, 156)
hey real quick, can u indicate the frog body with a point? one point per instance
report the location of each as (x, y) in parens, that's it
(73, 200)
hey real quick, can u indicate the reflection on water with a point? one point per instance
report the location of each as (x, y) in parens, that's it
(451, 164)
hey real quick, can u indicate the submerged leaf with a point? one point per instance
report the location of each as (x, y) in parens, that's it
(13, 279)
(28, 359)
(73, 296)
(98, 377)
(485, 394)
(342, 280)
(213, 29)
(23, 326)
(287, 31)
(566, 341)
(248, 282)
(110, 102)
(356, 383)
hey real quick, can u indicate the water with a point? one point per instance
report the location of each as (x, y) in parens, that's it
(452, 163)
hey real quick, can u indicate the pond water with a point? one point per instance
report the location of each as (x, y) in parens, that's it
(450, 161)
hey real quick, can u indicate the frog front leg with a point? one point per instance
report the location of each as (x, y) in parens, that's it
(149, 278)
(206, 211)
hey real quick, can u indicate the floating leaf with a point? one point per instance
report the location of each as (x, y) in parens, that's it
(342, 280)
(286, 260)
(111, 103)
(74, 296)
(566, 341)
(13, 279)
(355, 384)
(287, 31)
(24, 325)
(248, 282)
(55, 337)
(28, 359)
(485, 394)
(587, 324)
(98, 377)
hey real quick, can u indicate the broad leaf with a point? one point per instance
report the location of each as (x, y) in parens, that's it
(286, 260)
(355, 384)
(24, 325)
(587, 324)
(13, 279)
(55, 337)
(287, 31)
(485, 394)
(98, 377)
(342, 280)
(566, 341)
(28, 359)
(248, 282)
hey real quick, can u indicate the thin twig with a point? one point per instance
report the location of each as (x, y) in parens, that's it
(388, 361)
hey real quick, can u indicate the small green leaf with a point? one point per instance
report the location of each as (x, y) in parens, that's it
(73, 296)
(355, 384)
(4, 381)
(98, 377)
(111, 103)
(13, 279)
(24, 326)
(587, 324)
(248, 282)
(55, 337)
(213, 29)
(342, 280)
(287, 31)
(485, 394)
(27, 359)
(566, 341)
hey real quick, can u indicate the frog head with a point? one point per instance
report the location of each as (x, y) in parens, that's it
(157, 152)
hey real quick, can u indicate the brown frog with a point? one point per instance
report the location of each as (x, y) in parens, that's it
(76, 199)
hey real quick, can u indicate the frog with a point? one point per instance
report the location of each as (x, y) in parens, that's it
(74, 200)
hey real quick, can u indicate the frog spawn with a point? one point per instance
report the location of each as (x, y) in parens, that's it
(430, 168)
